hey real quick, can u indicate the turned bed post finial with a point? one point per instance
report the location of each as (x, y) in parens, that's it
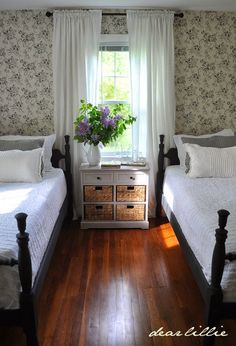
(24, 260)
(21, 222)
(223, 216)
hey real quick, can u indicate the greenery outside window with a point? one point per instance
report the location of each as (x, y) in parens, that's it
(114, 88)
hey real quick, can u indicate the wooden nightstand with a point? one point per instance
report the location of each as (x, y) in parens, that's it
(114, 197)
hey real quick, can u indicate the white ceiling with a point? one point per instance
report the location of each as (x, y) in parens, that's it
(211, 5)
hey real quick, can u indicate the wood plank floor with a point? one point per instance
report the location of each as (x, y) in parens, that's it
(114, 287)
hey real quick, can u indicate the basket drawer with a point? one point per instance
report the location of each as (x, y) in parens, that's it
(98, 212)
(134, 212)
(98, 193)
(131, 193)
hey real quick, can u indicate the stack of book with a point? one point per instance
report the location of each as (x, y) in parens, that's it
(118, 164)
(140, 163)
(110, 164)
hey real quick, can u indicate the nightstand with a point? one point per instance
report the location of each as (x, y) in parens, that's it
(114, 197)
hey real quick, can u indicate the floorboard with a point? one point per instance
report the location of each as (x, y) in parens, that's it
(114, 287)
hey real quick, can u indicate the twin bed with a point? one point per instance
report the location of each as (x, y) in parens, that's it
(191, 205)
(36, 211)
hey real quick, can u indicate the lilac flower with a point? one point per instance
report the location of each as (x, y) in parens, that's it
(105, 111)
(118, 117)
(112, 123)
(108, 122)
(84, 127)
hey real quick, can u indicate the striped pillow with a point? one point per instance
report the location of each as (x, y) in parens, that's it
(209, 162)
(214, 141)
(179, 143)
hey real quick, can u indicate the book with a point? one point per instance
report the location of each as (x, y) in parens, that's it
(140, 163)
(110, 164)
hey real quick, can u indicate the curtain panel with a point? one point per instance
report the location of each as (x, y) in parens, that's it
(151, 47)
(76, 38)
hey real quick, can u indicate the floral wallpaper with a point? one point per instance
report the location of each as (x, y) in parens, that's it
(26, 82)
(114, 24)
(205, 70)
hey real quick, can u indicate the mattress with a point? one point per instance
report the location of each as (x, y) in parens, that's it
(195, 203)
(42, 202)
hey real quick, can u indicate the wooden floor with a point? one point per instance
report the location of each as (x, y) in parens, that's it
(114, 287)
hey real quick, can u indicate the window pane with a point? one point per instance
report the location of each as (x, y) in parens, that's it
(122, 89)
(108, 89)
(108, 63)
(122, 147)
(122, 63)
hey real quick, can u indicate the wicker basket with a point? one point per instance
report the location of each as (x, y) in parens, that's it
(94, 212)
(132, 193)
(98, 193)
(134, 212)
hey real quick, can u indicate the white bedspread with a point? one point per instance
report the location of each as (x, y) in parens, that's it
(42, 202)
(195, 203)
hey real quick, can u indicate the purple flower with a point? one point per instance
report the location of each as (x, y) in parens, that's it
(112, 123)
(105, 111)
(84, 127)
(118, 117)
(108, 122)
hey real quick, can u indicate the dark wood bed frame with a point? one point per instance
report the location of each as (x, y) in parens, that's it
(26, 316)
(215, 308)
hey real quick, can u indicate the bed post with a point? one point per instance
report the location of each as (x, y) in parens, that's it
(160, 175)
(68, 176)
(25, 272)
(213, 308)
(56, 157)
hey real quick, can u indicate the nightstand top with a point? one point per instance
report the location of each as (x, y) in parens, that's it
(86, 167)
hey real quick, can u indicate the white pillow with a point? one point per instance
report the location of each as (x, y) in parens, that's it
(21, 166)
(179, 143)
(209, 162)
(47, 146)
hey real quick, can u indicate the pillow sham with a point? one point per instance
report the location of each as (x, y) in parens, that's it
(214, 141)
(179, 143)
(21, 166)
(47, 146)
(209, 162)
(24, 144)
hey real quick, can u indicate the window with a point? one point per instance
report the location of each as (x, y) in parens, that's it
(114, 87)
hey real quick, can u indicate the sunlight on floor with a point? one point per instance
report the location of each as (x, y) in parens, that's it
(168, 236)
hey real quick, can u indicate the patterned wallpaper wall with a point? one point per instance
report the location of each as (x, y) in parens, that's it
(205, 60)
(26, 84)
(205, 46)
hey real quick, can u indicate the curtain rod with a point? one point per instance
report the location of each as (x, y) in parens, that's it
(178, 14)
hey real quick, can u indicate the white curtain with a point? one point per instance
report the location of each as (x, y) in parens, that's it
(75, 58)
(151, 47)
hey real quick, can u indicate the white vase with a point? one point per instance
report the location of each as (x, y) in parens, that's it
(94, 155)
